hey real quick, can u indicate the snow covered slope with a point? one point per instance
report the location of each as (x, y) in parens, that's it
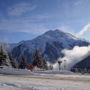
(50, 45)
(84, 64)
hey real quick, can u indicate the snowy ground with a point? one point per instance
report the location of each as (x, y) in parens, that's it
(45, 82)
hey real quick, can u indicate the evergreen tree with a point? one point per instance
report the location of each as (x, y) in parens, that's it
(45, 66)
(38, 60)
(22, 63)
(12, 61)
(4, 58)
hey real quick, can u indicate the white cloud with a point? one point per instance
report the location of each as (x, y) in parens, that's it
(73, 56)
(85, 29)
(20, 8)
(80, 2)
(76, 55)
(23, 25)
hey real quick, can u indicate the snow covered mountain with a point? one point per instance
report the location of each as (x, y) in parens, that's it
(50, 45)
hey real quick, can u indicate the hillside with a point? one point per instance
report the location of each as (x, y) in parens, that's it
(50, 45)
(84, 64)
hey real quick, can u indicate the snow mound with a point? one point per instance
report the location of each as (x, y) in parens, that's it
(53, 72)
(13, 71)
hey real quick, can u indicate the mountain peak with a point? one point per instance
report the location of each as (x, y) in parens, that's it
(56, 32)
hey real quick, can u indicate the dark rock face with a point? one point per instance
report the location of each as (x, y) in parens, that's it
(49, 44)
(83, 64)
(51, 52)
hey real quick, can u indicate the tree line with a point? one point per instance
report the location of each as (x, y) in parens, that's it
(7, 60)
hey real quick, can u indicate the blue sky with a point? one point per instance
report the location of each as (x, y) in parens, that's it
(26, 19)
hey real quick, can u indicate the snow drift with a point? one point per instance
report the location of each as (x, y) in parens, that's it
(71, 57)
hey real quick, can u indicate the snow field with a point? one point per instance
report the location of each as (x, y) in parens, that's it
(10, 82)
